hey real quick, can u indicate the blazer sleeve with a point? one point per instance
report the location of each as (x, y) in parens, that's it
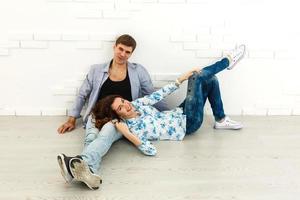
(83, 94)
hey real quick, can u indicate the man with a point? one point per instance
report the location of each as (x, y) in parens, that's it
(120, 77)
(140, 82)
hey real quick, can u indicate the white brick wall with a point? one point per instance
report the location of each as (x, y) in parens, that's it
(75, 36)
(4, 52)
(7, 112)
(46, 49)
(10, 44)
(183, 37)
(47, 36)
(53, 112)
(20, 36)
(34, 44)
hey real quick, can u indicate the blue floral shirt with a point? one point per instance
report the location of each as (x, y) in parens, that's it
(152, 124)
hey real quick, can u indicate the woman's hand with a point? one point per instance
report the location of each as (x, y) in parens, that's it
(121, 126)
(188, 74)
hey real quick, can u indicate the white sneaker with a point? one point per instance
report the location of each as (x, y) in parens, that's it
(228, 124)
(235, 55)
(82, 172)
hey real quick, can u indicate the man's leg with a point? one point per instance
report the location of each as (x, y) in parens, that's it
(91, 132)
(93, 153)
(85, 167)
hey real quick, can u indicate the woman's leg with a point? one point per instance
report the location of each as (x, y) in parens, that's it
(197, 94)
(211, 90)
(193, 104)
(208, 72)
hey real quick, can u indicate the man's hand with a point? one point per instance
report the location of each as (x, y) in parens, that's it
(68, 126)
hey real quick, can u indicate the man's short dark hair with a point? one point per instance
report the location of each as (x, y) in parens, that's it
(126, 40)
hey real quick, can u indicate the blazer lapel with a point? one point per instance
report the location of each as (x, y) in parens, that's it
(134, 81)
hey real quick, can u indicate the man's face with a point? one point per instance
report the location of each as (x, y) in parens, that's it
(122, 53)
(122, 107)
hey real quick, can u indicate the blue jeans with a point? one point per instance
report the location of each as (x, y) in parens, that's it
(201, 86)
(97, 143)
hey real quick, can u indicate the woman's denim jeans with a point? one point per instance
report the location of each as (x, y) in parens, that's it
(201, 86)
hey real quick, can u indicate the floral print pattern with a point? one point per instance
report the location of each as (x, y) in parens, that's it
(152, 124)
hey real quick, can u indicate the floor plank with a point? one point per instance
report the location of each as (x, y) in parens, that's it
(261, 161)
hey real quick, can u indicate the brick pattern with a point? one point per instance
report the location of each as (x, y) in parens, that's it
(41, 40)
(206, 38)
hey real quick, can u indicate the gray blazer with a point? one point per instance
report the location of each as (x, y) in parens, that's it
(140, 81)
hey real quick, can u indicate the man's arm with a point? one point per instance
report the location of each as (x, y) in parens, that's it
(74, 113)
(159, 95)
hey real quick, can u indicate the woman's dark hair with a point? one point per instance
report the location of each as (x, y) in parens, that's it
(102, 111)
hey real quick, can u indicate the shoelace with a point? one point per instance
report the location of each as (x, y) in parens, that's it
(228, 120)
(236, 56)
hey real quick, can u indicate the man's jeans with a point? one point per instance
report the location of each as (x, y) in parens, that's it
(201, 86)
(97, 143)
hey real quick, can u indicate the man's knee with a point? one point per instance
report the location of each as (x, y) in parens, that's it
(90, 138)
(109, 131)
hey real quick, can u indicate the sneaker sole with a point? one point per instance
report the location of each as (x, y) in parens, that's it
(63, 170)
(81, 172)
(228, 128)
(231, 67)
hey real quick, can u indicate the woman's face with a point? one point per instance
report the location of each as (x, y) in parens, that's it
(122, 107)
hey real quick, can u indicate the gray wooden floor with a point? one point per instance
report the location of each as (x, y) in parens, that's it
(262, 161)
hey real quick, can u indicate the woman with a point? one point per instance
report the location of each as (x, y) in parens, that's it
(142, 122)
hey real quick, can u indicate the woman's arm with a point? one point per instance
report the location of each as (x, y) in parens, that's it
(187, 75)
(145, 147)
(147, 87)
(164, 91)
(124, 130)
